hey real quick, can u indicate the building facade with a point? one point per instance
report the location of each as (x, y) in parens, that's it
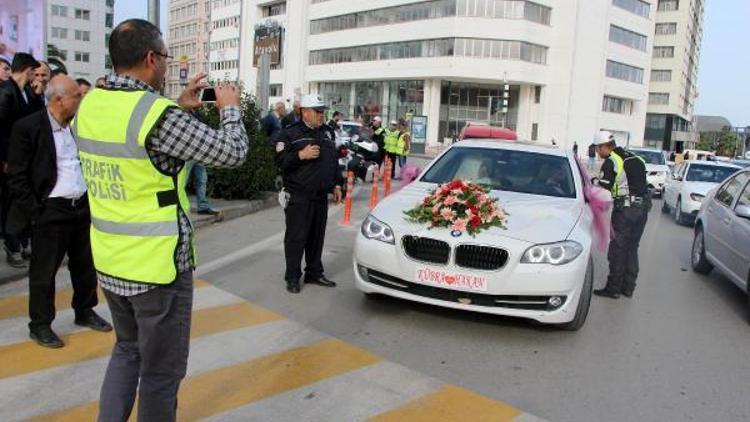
(225, 26)
(673, 85)
(187, 35)
(80, 30)
(571, 68)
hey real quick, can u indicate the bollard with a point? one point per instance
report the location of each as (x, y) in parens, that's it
(347, 221)
(387, 179)
(374, 192)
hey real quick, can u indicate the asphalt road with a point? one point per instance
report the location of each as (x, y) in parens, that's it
(678, 350)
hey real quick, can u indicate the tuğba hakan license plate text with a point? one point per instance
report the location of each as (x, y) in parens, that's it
(451, 280)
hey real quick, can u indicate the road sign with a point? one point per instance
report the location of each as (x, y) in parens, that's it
(183, 71)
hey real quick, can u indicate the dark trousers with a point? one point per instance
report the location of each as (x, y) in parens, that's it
(62, 228)
(628, 225)
(151, 352)
(305, 232)
(394, 161)
(13, 241)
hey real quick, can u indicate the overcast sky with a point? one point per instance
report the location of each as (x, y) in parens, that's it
(723, 81)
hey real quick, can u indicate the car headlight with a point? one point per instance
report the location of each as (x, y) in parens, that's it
(697, 197)
(552, 253)
(372, 228)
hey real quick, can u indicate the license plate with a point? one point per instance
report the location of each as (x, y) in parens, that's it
(450, 280)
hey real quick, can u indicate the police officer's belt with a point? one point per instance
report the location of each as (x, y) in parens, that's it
(627, 201)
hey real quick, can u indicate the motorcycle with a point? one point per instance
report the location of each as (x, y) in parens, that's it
(358, 155)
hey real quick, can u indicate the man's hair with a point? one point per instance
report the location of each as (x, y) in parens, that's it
(54, 89)
(2, 59)
(336, 114)
(81, 81)
(58, 72)
(44, 63)
(131, 41)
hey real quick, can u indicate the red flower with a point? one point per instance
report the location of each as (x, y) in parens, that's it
(475, 222)
(456, 184)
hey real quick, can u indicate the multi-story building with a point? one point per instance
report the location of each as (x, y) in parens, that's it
(80, 30)
(188, 33)
(673, 85)
(225, 42)
(572, 68)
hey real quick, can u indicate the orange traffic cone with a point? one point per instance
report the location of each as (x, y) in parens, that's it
(347, 221)
(374, 192)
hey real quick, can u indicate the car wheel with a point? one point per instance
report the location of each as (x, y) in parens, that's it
(583, 303)
(698, 254)
(679, 217)
(664, 207)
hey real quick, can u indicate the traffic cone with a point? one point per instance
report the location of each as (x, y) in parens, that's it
(387, 177)
(374, 192)
(347, 221)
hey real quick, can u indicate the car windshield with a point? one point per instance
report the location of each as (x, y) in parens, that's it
(711, 174)
(650, 157)
(350, 130)
(506, 170)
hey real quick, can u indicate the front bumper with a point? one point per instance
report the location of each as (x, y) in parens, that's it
(517, 290)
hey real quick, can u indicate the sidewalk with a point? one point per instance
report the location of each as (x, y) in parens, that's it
(229, 210)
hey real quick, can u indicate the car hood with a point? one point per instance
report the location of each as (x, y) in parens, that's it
(657, 167)
(531, 218)
(698, 187)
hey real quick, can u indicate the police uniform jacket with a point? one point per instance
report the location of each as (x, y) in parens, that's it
(309, 178)
(635, 174)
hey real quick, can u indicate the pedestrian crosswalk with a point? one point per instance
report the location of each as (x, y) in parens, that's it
(247, 363)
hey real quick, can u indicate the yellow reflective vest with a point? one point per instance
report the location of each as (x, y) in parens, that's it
(391, 141)
(134, 207)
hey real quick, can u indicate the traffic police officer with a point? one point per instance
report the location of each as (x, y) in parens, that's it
(306, 154)
(378, 136)
(624, 175)
(391, 145)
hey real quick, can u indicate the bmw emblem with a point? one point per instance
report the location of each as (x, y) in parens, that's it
(456, 233)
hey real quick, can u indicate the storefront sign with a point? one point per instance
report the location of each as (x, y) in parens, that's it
(183, 71)
(267, 41)
(419, 129)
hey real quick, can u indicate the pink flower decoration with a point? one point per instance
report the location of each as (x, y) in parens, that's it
(459, 225)
(447, 214)
(450, 201)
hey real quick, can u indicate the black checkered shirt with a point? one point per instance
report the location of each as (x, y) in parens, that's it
(180, 137)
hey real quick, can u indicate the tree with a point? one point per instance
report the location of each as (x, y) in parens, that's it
(727, 143)
(56, 58)
(705, 143)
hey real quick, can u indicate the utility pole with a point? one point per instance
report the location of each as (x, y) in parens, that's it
(153, 12)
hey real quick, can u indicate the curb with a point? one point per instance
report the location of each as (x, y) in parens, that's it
(231, 212)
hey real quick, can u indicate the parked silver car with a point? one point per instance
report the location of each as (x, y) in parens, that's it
(722, 232)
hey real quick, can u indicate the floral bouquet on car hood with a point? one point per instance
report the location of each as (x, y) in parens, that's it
(460, 206)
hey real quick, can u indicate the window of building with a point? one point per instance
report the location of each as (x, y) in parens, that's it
(82, 35)
(275, 90)
(81, 57)
(617, 105)
(498, 9)
(668, 5)
(110, 3)
(627, 37)
(534, 131)
(638, 7)
(107, 62)
(658, 98)
(625, 72)
(659, 75)
(537, 94)
(59, 10)
(666, 28)
(466, 47)
(109, 20)
(663, 52)
(84, 14)
(61, 33)
(274, 10)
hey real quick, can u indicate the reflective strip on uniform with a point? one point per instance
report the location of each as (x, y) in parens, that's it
(167, 228)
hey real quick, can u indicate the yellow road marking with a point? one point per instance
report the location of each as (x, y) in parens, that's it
(228, 388)
(18, 306)
(26, 357)
(451, 403)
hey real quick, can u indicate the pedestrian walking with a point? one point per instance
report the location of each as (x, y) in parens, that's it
(307, 156)
(575, 149)
(46, 182)
(336, 118)
(403, 145)
(16, 102)
(293, 117)
(271, 124)
(133, 145)
(199, 175)
(592, 156)
(624, 175)
(42, 76)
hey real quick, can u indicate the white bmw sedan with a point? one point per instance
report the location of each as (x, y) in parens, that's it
(539, 267)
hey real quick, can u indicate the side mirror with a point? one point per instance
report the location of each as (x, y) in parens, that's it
(742, 211)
